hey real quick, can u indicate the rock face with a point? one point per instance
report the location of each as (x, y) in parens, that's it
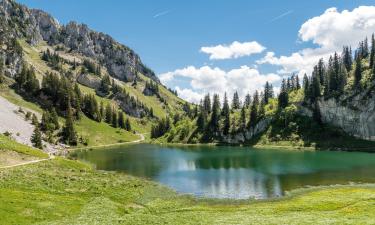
(35, 25)
(249, 133)
(89, 81)
(356, 117)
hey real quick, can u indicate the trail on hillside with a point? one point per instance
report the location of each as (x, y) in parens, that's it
(27, 163)
(142, 138)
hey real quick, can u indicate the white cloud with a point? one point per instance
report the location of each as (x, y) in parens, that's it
(330, 31)
(215, 80)
(189, 95)
(234, 50)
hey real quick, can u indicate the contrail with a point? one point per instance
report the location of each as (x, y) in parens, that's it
(281, 16)
(161, 14)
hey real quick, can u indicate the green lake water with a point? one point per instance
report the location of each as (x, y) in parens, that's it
(234, 172)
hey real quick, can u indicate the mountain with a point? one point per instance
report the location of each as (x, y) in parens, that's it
(48, 67)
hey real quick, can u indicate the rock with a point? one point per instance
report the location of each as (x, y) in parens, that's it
(249, 133)
(90, 81)
(356, 117)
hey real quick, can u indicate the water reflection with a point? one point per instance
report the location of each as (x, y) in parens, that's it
(234, 172)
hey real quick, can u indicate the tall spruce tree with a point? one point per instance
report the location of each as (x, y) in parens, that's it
(236, 101)
(36, 138)
(372, 52)
(358, 71)
(254, 110)
(225, 112)
(128, 125)
(121, 119)
(108, 114)
(243, 119)
(207, 103)
(215, 115)
(247, 102)
(69, 132)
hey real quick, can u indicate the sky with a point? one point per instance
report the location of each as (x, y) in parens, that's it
(217, 46)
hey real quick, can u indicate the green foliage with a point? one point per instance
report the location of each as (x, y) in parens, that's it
(69, 132)
(27, 82)
(36, 138)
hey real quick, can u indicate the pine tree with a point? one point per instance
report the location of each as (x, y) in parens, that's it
(243, 119)
(215, 115)
(247, 102)
(254, 110)
(358, 72)
(207, 103)
(226, 114)
(34, 120)
(108, 113)
(114, 118)
(121, 121)
(372, 52)
(283, 99)
(36, 138)
(128, 126)
(69, 133)
(347, 58)
(236, 101)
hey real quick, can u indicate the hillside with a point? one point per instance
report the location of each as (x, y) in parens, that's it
(333, 108)
(93, 70)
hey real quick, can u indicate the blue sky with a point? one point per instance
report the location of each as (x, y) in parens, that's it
(168, 35)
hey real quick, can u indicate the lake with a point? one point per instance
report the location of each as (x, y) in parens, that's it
(234, 172)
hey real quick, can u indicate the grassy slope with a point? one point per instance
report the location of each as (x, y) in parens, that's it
(90, 128)
(67, 192)
(98, 133)
(8, 144)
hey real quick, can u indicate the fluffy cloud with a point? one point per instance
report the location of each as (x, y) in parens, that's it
(215, 80)
(330, 31)
(234, 50)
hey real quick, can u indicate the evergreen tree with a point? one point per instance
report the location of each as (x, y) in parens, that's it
(372, 52)
(34, 120)
(121, 120)
(215, 115)
(69, 133)
(226, 114)
(283, 98)
(236, 101)
(347, 58)
(36, 138)
(128, 126)
(247, 102)
(358, 72)
(254, 110)
(114, 118)
(102, 111)
(207, 103)
(243, 119)
(108, 113)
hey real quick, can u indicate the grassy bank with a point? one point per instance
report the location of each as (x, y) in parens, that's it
(60, 191)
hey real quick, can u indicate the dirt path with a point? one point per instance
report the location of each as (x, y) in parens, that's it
(142, 138)
(27, 163)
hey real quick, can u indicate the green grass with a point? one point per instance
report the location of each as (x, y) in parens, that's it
(67, 192)
(7, 143)
(102, 133)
